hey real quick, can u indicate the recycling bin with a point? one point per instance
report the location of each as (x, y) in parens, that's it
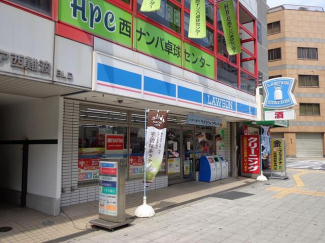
(208, 170)
(224, 166)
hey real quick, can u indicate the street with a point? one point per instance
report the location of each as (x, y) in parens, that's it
(279, 211)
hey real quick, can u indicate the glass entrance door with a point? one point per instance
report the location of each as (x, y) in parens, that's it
(173, 154)
(188, 154)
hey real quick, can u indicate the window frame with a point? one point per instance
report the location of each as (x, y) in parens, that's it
(308, 86)
(301, 105)
(54, 12)
(259, 30)
(307, 48)
(274, 49)
(271, 28)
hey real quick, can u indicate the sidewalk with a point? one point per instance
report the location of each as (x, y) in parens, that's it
(32, 226)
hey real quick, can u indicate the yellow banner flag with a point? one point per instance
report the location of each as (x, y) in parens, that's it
(150, 5)
(197, 28)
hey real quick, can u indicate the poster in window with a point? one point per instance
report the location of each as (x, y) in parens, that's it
(88, 169)
(174, 165)
(177, 18)
(136, 165)
(169, 13)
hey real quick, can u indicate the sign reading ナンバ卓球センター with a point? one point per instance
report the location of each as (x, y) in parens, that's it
(198, 61)
(98, 17)
(155, 42)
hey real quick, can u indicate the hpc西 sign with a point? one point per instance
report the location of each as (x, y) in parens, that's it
(279, 93)
(280, 115)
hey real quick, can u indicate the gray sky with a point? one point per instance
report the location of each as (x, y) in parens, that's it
(319, 3)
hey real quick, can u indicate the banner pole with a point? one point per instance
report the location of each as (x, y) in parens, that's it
(145, 210)
(145, 157)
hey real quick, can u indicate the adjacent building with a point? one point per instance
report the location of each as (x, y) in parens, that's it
(296, 48)
(74, 71)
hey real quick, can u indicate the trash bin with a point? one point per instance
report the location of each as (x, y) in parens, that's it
(208, 170)
(224, 166)
(218, 167)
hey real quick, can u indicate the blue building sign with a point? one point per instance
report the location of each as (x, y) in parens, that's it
(278, 93)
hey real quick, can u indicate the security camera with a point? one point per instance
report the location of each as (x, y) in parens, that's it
(120, 101)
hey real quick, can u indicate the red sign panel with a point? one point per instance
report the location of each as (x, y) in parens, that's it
(107, 171)
(88, 164)
(114, 142)
(251, 159)
(278, 115)
(136, 160)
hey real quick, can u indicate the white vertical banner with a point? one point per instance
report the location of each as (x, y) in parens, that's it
(155, 142)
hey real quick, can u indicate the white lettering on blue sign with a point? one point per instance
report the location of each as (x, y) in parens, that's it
(278, 93)
(219, 102)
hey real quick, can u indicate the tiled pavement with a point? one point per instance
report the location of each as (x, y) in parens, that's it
(275, 211)
(27, 224)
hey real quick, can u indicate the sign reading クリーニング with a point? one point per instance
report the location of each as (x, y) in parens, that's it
(251, 159)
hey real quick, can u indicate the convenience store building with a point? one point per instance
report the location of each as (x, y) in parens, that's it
(89, 68)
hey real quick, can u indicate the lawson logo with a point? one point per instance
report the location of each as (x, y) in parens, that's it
(278, 93)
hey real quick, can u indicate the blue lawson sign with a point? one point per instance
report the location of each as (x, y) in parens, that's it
(279, 93)
(203, 121)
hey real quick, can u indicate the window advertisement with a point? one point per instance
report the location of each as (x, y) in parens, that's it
(151, 40)
(98, 17)
(97, 142)
(137, 142)
(198, 61)
(251, 158)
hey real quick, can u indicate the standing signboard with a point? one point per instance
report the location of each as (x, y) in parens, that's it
(251, 156)
(111, 194)
(278, 155)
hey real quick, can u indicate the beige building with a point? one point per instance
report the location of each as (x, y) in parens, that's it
(296, 43)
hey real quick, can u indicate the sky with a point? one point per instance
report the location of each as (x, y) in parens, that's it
(319, 3)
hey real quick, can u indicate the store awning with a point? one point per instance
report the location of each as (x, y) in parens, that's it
(284, 123)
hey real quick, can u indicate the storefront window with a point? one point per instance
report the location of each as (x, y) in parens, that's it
(227, 73)
(169, 15)
(173, 152)
(248, 83)
(136, 161)
(203, 145)
(98, 142)
(41, 6)
(222, 49)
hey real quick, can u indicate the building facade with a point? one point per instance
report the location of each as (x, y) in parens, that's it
(74, 72)
(296, 38)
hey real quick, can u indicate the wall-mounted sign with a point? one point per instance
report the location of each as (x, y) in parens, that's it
(277, 151)
(114, 142)
(279, 93)
(280, 115)
(25, 62)
(203, 120)
(98, 17)
(65, 76)
(251, 157)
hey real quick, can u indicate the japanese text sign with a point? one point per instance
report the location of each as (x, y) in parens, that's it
(198, 61)
(279, 93)
(155, 42)
(150, 5)
(277, 151)
(98, 17)
(230, 27)
(203, 120)
(114, 142)
(251, 159)
(155, 142)
(197, 28)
